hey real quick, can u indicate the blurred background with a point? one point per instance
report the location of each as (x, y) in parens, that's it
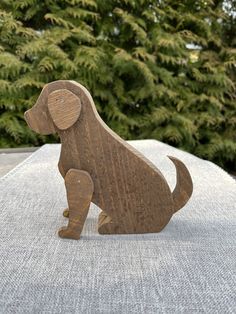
(156, 69)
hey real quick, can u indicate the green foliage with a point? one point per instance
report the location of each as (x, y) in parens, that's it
(156, 69)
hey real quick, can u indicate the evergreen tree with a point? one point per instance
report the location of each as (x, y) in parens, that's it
(156, 69)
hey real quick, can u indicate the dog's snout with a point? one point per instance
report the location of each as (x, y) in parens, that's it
(39, 121)
(27, 118)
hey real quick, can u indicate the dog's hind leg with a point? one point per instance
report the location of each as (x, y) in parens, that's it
(79, 188)
(107, 226)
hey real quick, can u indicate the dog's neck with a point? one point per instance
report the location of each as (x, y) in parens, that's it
(77, 139)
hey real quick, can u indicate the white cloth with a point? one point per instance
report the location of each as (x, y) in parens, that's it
(189, 267)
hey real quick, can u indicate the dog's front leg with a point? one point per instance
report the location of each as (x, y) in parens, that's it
(79, 189)
(63, 174)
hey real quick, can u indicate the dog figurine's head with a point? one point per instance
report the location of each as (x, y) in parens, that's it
(56, 109)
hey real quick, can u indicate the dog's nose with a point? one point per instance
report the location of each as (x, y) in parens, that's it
(27, 118)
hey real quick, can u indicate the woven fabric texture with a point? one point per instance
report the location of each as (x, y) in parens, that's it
(189, 267)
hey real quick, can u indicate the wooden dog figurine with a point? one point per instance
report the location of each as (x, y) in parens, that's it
(99, 167)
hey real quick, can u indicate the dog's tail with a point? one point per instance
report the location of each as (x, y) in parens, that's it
(184, 185)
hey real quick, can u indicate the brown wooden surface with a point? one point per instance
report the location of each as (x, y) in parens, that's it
(132, 193)
(64, 110)
(79, 189)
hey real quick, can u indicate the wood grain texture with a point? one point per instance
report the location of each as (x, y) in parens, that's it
(132, 193)
(64, 108)
(79, 189)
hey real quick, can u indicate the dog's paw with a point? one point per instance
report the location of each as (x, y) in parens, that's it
(66, 213)
(67, 233)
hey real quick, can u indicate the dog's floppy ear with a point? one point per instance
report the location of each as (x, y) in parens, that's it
(64, 108)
